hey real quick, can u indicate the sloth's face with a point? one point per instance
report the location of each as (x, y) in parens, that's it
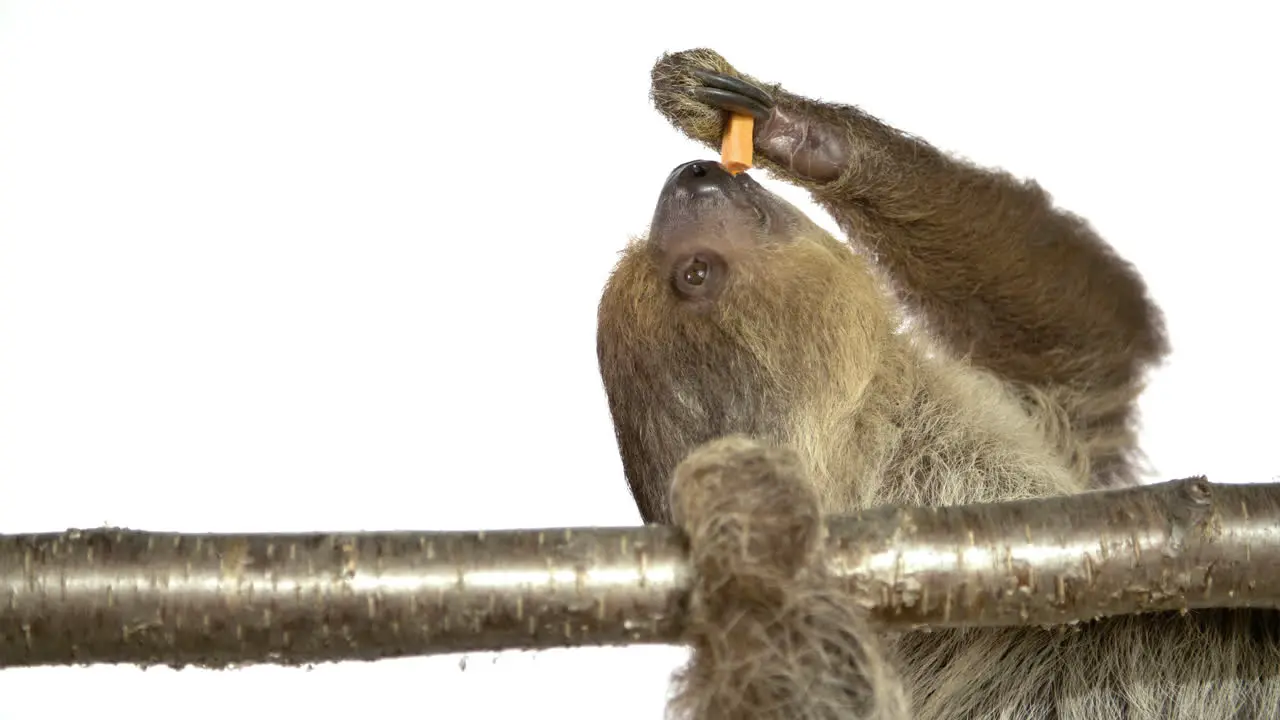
(732, 316)
(733, 277)
(708, 225)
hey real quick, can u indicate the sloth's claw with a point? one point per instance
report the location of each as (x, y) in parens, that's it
(732, 94)
(733, 84)
(731, 101)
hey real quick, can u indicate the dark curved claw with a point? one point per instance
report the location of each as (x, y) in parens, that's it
(732, 101)
(734, 85)
(733, 94)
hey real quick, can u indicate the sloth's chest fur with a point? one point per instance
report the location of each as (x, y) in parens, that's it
(932, 431)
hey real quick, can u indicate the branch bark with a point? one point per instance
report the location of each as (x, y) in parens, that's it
(122, 596)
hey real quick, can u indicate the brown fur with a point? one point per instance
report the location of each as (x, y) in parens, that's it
(1016, 378)
(763, 603)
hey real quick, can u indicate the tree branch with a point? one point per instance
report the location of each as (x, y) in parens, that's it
(121, 596)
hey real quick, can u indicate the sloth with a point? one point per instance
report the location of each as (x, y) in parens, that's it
(966, 342)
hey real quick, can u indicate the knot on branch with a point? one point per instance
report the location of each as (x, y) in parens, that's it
(773, 636)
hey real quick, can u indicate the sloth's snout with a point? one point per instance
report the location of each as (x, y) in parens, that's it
(699, 178)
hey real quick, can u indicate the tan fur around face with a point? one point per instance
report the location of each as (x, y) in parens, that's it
(739, 366)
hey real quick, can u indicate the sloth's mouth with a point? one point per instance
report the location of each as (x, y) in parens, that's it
(703, 191)
(761, 203)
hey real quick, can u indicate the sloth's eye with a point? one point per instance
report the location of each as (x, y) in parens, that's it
(698, 275)
(695, 273)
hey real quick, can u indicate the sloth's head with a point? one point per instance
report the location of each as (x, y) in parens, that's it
(733, 311)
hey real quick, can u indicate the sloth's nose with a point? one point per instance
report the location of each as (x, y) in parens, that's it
(700, 177)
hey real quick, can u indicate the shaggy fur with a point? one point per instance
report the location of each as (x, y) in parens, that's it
(1016, 377)
(772, 636)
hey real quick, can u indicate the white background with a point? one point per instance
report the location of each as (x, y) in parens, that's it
(323, 266)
